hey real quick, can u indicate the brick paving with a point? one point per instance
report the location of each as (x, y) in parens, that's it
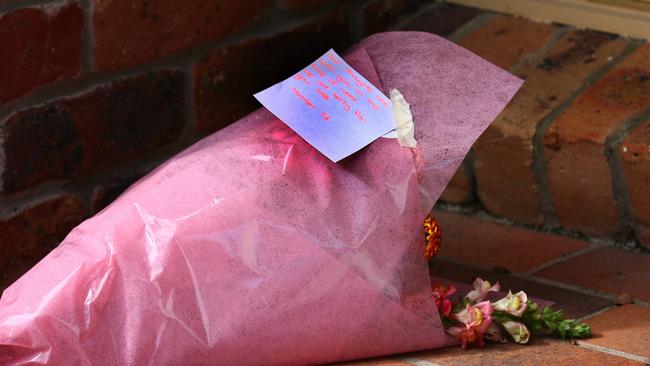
(605, 269)
(624, 329)
(481, 242)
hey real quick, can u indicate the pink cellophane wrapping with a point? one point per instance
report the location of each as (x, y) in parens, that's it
(250, 247)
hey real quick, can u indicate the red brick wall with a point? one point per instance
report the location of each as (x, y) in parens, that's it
(571, 152)
(94, 94)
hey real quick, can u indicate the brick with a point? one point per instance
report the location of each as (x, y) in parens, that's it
(625, 328)
(490, 245)
(127, 33)
(634, 154)
(39, 46)
(506, 40)
(102, 128)
(380, 15)
(574, 304)
(442, 19)
(606, 269)
(29, 235)
(225, 79)
(542, 351)
(459, 188)
(579, 175)
(504, 154)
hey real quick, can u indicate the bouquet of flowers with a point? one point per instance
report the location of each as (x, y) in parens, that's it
(475, 318)
(251, 247)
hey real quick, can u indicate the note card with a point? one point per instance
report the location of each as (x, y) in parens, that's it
(331, 106)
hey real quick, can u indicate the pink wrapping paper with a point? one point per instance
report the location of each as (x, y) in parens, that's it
(251, 248)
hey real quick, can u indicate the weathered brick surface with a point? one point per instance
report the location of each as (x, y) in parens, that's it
(505, 40)
(39, 46)
(441, 19)
(128, 33)
(96, 130)
(378, 15)
(26, 237)
(635, 157)
(579, 175)
(504, 154)
(225, 79)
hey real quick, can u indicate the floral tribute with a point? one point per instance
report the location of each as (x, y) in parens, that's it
(474, 318)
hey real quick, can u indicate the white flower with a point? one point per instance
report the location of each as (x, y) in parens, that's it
(517, 330)
(513, 304)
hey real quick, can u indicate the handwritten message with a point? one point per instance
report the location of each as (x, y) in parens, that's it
(331, 106)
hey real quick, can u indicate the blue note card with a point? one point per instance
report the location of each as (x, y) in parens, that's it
(331, 106)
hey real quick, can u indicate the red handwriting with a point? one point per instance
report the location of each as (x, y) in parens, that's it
(358, 81)
(326, 116)
(333, 58)
(382, 101)
(347, 94)
(352, 89)
(326, 65)
(302, 97)
(320, 73)
(322, 94)
(359, 116)
(302, 78)
(346, 106)
(341, 79)
(373, 105)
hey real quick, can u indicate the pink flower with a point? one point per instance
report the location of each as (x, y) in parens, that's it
(440, 293)
(475, 319)
(477, 316)
(513, 304)
(517, 330)
(481, 289)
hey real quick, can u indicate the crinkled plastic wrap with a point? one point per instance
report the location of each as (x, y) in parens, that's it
(252, 248)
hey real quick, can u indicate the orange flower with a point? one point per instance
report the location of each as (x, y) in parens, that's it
(433, 236)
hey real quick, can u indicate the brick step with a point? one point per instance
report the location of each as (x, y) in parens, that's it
(513, 255)
(572, 149)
